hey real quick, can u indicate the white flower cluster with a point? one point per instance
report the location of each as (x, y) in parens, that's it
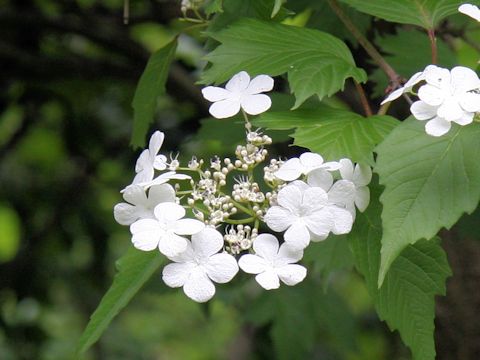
(446, 96)
(304, 197)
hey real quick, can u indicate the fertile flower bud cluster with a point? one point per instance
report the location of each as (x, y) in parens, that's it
(305, 197)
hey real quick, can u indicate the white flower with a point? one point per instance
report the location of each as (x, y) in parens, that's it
(149, 160)
(164, 230)
(360, 176)
(305, 214)
(199, 265)
(470, 10)
(448, 96)
(239, 92)
(293, 168)
(272, 264)
(414, 80)
(164, 178)
(140, 206)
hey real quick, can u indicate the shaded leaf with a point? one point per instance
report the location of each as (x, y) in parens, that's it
(406, 300)
(149, 88)
(134, 270)
(316, 62)
(429, 183)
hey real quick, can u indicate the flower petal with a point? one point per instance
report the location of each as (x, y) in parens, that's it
(395, 94)
(207, 242)
(159, 194)
(297, 236)
(346, 171)
(225, 108)
(437, 126)
(320, 178)
(311, 161)
(314, 199)
(292, 274)
(143, 161)
(239, 82)
(156, 141)
(470, 102)
(188, 226)
(168, 211)
(199, 287)
(221, 268)
(288, 255)
(362, 198)
(125, 214)
(290, 197)
(422, 111)
(342, 193)
(171, 245)
(362, 175)
(320, 222)
(268, 280)
(464, 79)
(214, 93)
(146, 234)
(290, 170)
(342, 220)
(259, 84)
(252, 264)
(466, 119)
(278, 218)
(176, 274)
(135, 195)
(450, 110)
(266, 246)
(431, 95)
(470, 10)
(160, 162)
(255, 104)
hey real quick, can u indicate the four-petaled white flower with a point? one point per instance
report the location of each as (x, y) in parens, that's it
(163, 231)
(470, 10)
(293, 168)
(239, 92)
(305, 213)
(150, 160)
(140, 206)
(408, 86)
(272, 263)
(360, 176)
(447, 96)
(199, 265)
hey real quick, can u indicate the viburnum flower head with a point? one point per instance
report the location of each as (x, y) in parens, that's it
(239, 92)
(470, 10)
(200, 265)
(164, 231)
(272, 264)
(293, 168)
(448, 96)
(305, 213)
(138, 205)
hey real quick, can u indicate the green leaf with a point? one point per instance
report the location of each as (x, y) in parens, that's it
(213, 6)
(406, 301)
(316, 62)
(149, 88)
(424, 13)
(429, 183)
(134, 269)
(396, 46)
(333, 133)
(10, 232)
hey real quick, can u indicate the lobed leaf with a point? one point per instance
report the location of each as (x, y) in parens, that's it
(333, 133)
(134, 270)
(406, 301)
(424, 13)
(316, 62)
(429, 183)
(149, 88)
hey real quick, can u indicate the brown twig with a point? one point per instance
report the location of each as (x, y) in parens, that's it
(363, 99)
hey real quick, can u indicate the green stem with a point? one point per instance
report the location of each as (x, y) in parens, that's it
(243, 208)
(248, 125)
(433, 45)
(363, 99)
(239, 221)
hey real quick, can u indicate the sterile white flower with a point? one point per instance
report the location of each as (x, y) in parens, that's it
(149, 160)
(163, 231)
(164, 178)
(470, 10)
(239, 92)
(408, 86)
(304, 212)
(138, 205)
(447, 96)
(360, 176)
(272, 264)
(293, 168)
(199, 265)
